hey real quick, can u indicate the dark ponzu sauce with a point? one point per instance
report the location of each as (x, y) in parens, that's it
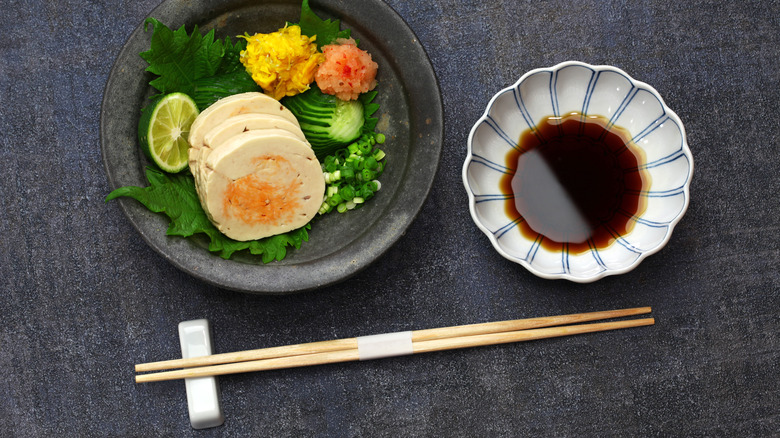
(575, 183)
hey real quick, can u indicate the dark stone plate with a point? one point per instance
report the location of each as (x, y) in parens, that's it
(339, 245)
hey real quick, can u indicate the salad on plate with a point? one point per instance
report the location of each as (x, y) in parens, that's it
(250, 140)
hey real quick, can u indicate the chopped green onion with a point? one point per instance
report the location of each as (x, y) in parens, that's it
(370, 163)
(324, 208)
(347, 173)
(334, 200)
(368, 174)
(351, 174)
(346, 192)
(364, 148)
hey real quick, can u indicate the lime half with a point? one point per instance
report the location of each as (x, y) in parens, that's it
(164, 128)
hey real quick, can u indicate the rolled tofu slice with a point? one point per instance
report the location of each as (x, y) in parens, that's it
(226, 108)
(243, 103)
(199, 169)
(248, 122)
(260, 185)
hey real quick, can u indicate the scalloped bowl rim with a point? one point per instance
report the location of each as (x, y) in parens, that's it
(607, 272)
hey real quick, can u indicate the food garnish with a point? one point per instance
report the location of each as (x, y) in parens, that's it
(352, 174)
(329, 122)
(282, 63)
(197, 65)
(164, 128)
(326, 31)
(347, 71)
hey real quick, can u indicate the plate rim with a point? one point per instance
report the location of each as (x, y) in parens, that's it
(290, 278)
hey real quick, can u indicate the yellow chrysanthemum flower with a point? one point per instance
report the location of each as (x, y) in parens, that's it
(283, 63)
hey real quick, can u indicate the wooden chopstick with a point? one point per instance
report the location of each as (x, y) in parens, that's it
(525, 335)
(418, 335)
(418, 347)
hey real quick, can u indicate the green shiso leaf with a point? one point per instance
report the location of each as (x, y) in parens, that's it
(175, 196)
(197, 65)
(180, 59)
(210, 89)
(231, 60)
(325, 30)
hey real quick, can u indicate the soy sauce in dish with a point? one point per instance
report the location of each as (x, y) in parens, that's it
(575, 183)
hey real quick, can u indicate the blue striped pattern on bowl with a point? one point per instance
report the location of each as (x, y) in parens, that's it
(592, 90)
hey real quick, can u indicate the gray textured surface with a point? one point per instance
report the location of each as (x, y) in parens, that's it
(84, 298)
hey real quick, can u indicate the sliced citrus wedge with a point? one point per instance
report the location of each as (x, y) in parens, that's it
(164, 128)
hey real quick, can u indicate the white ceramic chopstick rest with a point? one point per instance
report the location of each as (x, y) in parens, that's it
(203, 400)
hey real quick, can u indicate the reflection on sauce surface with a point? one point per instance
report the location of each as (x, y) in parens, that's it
(575, 183)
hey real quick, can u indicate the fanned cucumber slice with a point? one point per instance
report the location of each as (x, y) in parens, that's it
(328, 122)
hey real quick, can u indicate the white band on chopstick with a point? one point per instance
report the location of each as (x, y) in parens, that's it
(384, 345)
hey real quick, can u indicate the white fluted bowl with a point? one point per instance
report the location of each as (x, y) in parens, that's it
(591, 90)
